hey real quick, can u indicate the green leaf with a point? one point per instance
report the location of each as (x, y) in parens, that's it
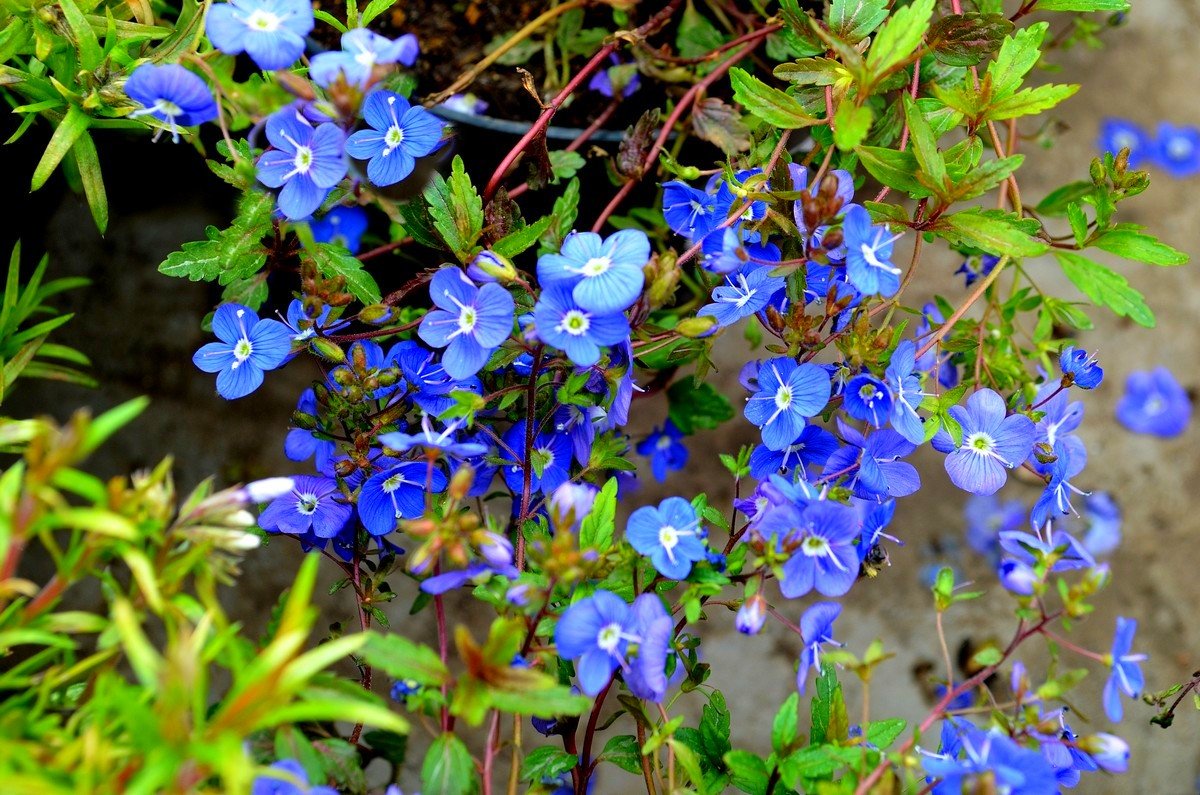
(693, 407)
(230, 254)
(829, 721)
(1131, 244)
(401, 658)
(785, 728)
(111, 421)
(1105, 287)
(697, 36)
(373, 10)
(1019, 53)
(90, 54)
(566, 209)
(895, 169)
(1028, 102)
(448, 768)
(333, 259)
(564, 164)
(924, 146)
(597, 529)
(88, 163)
(882, 733)
(518, 241)
(748, 772)
(623, 751)
(546, 762)
(899, 38)
(851, 125)
(456, 209)
(965, 39)
(812, 72)
(73, 125)
(982, 179)
(853, 20)
(992, 231)
(1083, 5)
(769, 104)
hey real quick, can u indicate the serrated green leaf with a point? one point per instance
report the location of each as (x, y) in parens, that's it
(1028, 102)
(992, 231)
(448, 768)
(401, 658)
(693, 407)
(785, 728)
(893, 168)
(546, 762)
(924, 146)
(518, 241)
(899, 38)
(767, 103)
(882, 733)
(1083, 5)
(1139, 246)
(853, 20)
(230, 254)
(623, 751)
(1105, 287)
(1018, 54)
(748, 772)
(456, 209)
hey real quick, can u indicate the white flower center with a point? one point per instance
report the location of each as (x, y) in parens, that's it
(242, 350)
(393, 483)
(609, 637)
(263, 21)
(393, 137)
(668, 536)
(307, 504)
(663, 443)
(815, 547)
(467, 319)
(596, 266)
(980, 443)
(783, 398)
(575, 323)
(303, 160)
(167, 108)
(1179, 148)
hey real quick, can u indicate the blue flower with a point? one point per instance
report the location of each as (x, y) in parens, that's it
(1056, 498)
(430, 441)
(468, 104)
(824, 554)
(905, 387)
(596, 632)
(478, 572)
(873, 463)
(734, 248)
(313, 504)
(361, 51)
(171, 94)
(1017, 576)
(869, 254)
(605, 275)
(647, 675)
(788, 393)
(744, 292)
(248, 346)
(986, 518)
(1126, 675)
(398, 493)
(578, 332)
(398, 134)
(470, 322)
(344, 226)
(271, 31)
(551, 456)
(1154, 403)
(304, 327)
(488, 266)
(876, 517)
(1177, 150)
(670, 535)
(976, 267)
(689, 211)
(868, 399)
(1118, 134)
(667, 453)
(301, 444)
(1045, 542)
(812, 447)
(306, 162)
(992, 441)
(1060, 416)
(1108, 751)
(1104, 524)
(816, 627)
(602, 81)
(293, 780)
(571, 503)
(994, 761)
(1080, 368)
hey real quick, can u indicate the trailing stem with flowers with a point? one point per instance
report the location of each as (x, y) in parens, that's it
(464, 440)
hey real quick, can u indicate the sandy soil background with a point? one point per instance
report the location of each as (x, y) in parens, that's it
(141, 329)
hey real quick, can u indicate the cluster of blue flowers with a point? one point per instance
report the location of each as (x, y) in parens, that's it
(1174, 149)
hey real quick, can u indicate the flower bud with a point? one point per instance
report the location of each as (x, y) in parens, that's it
(1017, 577)
(305, 421)
(496, 549)
(344, 468)
(488, 266)
(327, 349)
(376, 314)
(461, 482)
(662, 279)
(1109, 751)
(751, 615)
(569, 503)
(517, 594)
(694, 327)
